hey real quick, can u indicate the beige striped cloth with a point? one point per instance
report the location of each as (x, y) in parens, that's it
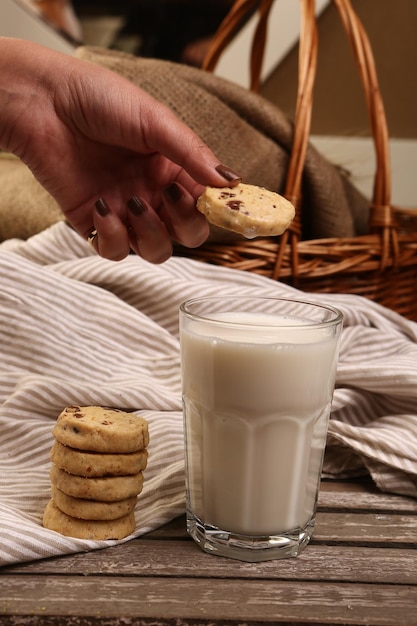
(78, 329)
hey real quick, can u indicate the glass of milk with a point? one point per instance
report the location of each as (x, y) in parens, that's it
(258, 377)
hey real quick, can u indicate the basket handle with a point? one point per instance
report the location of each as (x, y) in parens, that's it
(239, 13)
(381, 213)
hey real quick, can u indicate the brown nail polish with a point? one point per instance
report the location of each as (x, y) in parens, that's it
(136, 206)
(102, 207)
(172, 192)
(227, 173)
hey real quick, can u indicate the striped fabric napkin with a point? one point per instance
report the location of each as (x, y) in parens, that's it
(78, 329)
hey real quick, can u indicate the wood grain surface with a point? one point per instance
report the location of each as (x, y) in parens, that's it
(360, 569)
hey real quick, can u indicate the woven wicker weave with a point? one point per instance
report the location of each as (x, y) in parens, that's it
(382, 265)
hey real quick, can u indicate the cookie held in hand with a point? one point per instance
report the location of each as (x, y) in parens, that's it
(246, 209)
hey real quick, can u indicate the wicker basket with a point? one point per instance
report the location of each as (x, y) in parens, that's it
(381, 265)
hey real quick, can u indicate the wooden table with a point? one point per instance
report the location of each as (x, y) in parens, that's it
(361, 568)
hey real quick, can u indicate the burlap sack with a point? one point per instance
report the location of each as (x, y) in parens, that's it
(245, 131)
(25, 207)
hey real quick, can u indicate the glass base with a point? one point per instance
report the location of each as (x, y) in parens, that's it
(251, 549)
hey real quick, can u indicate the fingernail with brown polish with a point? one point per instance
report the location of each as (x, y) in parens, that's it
(136, 206)
(227, 173)
(172, 192)
(102, 207)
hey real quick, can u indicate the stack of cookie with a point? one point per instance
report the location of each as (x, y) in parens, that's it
(98, 459)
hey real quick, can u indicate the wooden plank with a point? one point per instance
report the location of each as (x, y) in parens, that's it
(189, 600)
(382, 528)
(144, 558)
(362, 495)
(359, 569)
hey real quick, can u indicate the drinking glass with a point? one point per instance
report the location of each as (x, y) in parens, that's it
(258, 378)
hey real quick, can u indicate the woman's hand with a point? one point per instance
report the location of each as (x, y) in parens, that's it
(117, 161)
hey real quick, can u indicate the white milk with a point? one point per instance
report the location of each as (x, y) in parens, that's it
(256, 416)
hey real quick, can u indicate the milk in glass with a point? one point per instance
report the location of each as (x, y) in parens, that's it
(257, 391)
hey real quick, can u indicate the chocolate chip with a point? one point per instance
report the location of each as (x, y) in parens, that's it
(234, 204)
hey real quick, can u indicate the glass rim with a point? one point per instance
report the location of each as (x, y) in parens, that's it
(337, 319)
